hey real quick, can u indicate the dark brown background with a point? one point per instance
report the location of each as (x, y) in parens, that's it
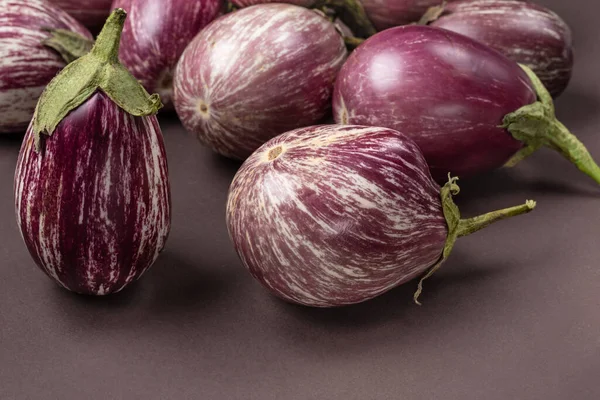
(514, 314)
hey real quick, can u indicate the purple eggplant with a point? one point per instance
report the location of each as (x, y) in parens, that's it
(91, 13)
(469, 108)
(155, 35)
(332, 215)
(256, 73)
(26, 64)
(351, 12)
(525, 32)
(388, 13)
(91, 187)
(248, 3)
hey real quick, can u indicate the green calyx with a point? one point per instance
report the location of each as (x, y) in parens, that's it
(69, 45)
(99, 69)
(352, 13)
(458, 227)
(432, 14)
(536, 125)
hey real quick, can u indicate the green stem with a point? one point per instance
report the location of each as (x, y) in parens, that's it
(353, 42)
(352, 13)
(536, 125)
(98, 70)
(472, 225)
(458, 227)
(68, 44)
(109, 39)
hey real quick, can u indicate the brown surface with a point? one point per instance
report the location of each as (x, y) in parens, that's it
(514, 314)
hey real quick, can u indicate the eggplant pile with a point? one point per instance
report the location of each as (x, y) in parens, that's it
(321, 214)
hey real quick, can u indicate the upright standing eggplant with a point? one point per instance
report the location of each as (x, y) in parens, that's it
(155, 35)
(26, 64)
(525, 32)
(91, 13)
(332, 215)
(469, 108)
(91, 186)
(256, 73)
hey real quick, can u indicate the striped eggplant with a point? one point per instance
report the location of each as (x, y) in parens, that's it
(469, 108)
(91, 13)
(26, 64)
(256, 73)
(91, 188)
(351, 12)
(525, 32)
(332, 215)
(388, 13)
(155, 35)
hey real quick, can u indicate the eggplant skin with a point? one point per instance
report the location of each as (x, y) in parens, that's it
(247, 3)
(256, 73)
(332, 215)
(155, 35)
(525, 32)
(26, 65)
(91, 13)
(93, 205)
(385, 14)
(447, 92)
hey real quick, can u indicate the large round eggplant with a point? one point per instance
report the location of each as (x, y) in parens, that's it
(525, 32)
(469, 108)
(388, 13)
(155, 35)
(256, 73)
(91, 187)
(26, 64)
(332, 215)
(91, 13)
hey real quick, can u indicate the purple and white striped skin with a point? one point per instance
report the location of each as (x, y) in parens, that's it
(525, 32)
(256, 73)
(155, 35)
(247, 3)
(94, 205)
(26, 65)
(388, 13)
(332, 215)
(91, 13)
(448, 92)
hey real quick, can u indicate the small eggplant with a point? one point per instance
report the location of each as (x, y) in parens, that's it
(525, 32)
(388, 13)
(331, 215)
(256, 73)
(91, 13)
(469, 108)
(155, 35)
(27, 63)
(91, 187)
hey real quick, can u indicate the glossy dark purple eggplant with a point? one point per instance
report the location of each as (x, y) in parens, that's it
(469, 108)
(91, 13)
(155, 35)
(388, 13)
(332, 215)
(525, 32)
